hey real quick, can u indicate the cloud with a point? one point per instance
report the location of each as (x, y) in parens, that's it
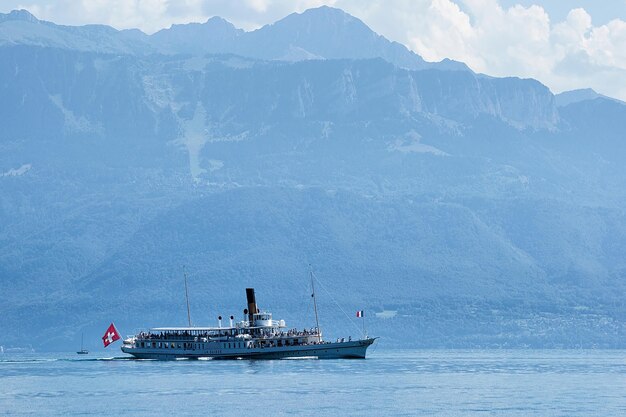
(514, 41)
(486, 37)
(500, 41)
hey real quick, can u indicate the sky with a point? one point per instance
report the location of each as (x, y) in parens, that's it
(566, 44)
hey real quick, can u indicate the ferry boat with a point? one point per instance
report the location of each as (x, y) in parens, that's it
(259, 337)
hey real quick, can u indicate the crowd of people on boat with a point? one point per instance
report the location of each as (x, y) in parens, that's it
(269, 338)
(271, 333)
(260, 333)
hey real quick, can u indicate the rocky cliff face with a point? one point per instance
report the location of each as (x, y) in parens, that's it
(112, 95)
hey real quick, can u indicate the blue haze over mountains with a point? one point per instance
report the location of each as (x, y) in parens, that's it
(465, 210)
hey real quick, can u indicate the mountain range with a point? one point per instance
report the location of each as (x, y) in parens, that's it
(455, 208)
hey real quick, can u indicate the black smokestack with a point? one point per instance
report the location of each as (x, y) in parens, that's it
(252, 308)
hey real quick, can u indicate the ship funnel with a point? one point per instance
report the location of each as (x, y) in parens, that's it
(219, 321)
(231, 321)
(252, 308)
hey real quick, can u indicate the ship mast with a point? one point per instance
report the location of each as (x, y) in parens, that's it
(187, 296)
(317, 321)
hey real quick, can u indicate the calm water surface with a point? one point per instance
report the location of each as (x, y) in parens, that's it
(388, 383)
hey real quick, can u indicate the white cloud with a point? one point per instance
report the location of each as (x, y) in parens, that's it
(520, 41)
(515, 41)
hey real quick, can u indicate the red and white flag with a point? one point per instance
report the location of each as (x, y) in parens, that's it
(111, 335)
(359, 313)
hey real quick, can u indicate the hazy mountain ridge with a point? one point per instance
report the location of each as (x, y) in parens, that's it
(22, 28)
(321, 33)
(459, 201)
(216, 35)
(576, 96)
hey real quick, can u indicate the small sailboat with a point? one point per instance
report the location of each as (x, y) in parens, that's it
(82, 350)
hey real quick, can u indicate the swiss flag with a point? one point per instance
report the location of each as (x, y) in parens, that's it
(111, 335)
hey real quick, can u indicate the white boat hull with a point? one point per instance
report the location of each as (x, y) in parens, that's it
(355, 349)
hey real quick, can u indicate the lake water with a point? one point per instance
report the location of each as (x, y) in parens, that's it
(388, 383)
